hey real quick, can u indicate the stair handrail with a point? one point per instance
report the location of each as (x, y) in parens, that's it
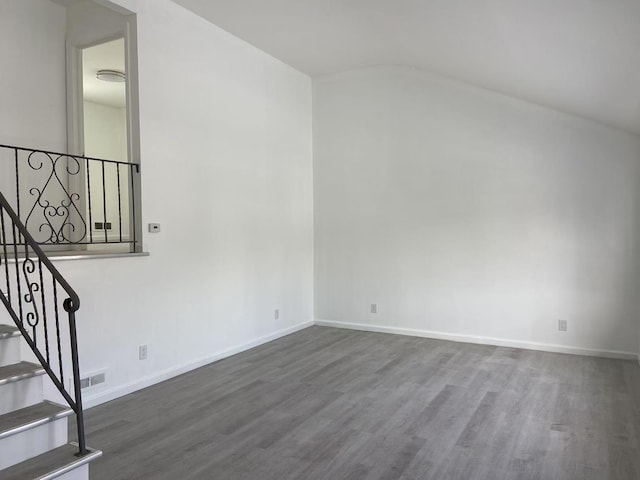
(71, 305)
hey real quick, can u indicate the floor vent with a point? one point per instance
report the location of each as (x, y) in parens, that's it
(92, 380)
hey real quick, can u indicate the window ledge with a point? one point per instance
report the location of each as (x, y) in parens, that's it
(68, 256)
(59, 257)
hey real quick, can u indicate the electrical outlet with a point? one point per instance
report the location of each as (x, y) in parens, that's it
(276, 313)
(142, 352)
(374, 308)
(562, 325)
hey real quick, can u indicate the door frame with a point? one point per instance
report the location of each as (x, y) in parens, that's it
(75, 113)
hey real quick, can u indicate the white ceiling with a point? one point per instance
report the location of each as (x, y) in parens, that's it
(579, 56)
(106, 56)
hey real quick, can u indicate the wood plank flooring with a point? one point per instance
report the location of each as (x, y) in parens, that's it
(338, 404)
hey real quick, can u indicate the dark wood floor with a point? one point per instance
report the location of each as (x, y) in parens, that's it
(338, 404)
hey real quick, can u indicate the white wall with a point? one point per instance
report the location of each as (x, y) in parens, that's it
(105, 131)
(464, 214)
(227, 171)
(90, 22)
(32, 102)
(32, 106)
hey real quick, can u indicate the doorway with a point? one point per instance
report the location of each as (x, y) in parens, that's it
(103, 124)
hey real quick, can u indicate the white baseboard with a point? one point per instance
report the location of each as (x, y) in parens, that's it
(499, 342)
(91, 400)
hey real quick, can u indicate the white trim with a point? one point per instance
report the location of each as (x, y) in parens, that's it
(121, 390)
(82, 255)
(498, 342)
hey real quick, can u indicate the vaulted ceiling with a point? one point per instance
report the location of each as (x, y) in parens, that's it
(578, 56)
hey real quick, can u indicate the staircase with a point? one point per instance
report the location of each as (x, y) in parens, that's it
(33, 429)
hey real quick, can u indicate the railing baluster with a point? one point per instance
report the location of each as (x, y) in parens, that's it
(6, 257)
(89, 202)
(18, 286)
(76, 380)
(119, 203)
(44, 312)
(132, 200)
(57, 317)
(17, 182)
(104, 205)
(29, 295)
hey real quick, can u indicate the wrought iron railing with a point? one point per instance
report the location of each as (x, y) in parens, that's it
(36, 296)
(66, 199)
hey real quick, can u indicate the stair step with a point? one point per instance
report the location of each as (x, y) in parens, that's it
(19, 371)
(30, 417)
(55, 463)
(10, 339)
(31, 431)
(7, 331)
(21, 385)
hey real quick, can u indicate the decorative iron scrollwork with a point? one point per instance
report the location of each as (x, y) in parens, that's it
(55, 205)
(32, 317)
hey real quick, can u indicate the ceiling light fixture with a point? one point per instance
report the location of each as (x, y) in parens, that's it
(111, 76)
